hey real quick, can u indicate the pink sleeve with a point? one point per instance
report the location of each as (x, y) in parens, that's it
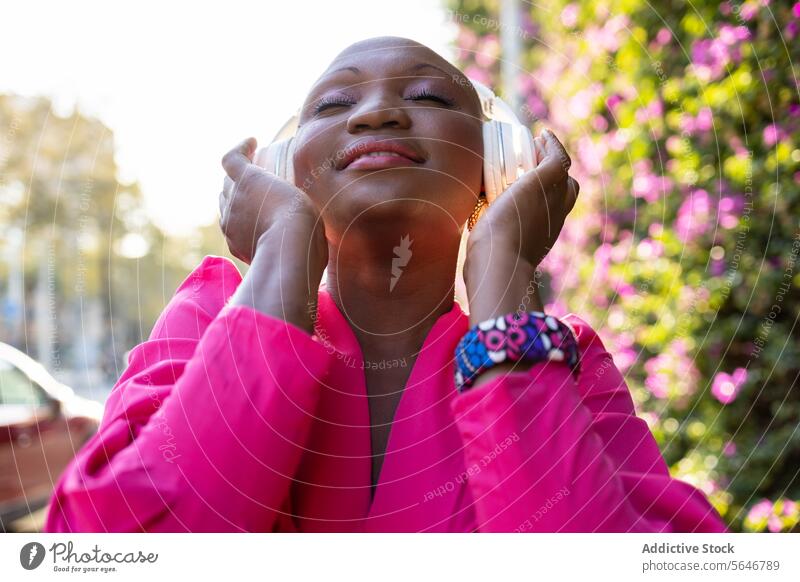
(547, 454)
(204, 430)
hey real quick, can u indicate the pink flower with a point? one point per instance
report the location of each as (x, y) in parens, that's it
(730, 35)
(613, 101)
(772, 134)
(581, 104)
(654, 110)
(615, 27)
(648, 185)
(730, 208)
(702, 123)
(704, 119)
(774, 523)
(650, 249)
(760, 511)
(738, 146)
(657, 382)
(624, 358)
(748, 11)
(625, 289)
(791, 30)
(672, 373)
(709, 58)
(591, 155)
(726, 387)
(693, 216)
(488, 52)
(529, 27)
(556, 308)
(717, 267)
(599, 123)
(479, 74)
(617, 141)
(466, 37)
(729, 449)
(688, 124)
(569, 16)
(663, 36)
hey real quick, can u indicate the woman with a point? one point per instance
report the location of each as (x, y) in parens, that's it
(281, 402)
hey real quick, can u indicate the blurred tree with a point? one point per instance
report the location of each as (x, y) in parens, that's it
(96, 271)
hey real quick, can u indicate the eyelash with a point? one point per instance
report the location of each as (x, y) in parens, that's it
(424, 93)
(332, 101)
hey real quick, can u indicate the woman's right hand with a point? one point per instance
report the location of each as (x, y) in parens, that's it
(274, 227)
(253, 200)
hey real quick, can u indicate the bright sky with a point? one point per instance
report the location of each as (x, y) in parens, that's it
(179, 84)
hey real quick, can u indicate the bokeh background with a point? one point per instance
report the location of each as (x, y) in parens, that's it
(681, 117)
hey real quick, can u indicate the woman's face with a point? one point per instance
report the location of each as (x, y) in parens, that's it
(408, 99)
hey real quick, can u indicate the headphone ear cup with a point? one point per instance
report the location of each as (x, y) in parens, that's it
(527, 150)
(508, 153)
(491, 161)
(289, 161)
(277, 159)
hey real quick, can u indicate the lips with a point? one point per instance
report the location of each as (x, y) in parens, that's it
(376, 152)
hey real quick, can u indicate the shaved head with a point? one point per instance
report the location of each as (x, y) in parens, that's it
(379, 45)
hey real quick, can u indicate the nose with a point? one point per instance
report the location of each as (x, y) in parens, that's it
(378, 114)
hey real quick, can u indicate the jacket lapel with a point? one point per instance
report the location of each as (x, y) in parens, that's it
(332, 492)
(421, 483)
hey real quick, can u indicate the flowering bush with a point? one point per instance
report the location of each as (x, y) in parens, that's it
(682, 122)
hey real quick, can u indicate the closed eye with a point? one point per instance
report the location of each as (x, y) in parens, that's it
(426, 95)
(329, 102)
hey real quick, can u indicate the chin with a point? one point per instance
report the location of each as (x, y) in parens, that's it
(387, 218)
(375, 207)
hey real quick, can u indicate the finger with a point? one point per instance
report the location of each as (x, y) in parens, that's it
(573, 189)
(552, 143)
(225, 195)
(223, 205)
(553, 167)
(236, 161)
(538, 148)
(228, 186)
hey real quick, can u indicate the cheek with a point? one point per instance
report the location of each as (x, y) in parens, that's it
(457, 151)
(313, 164)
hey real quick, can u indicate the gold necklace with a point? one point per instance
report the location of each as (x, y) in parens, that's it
(473, 218)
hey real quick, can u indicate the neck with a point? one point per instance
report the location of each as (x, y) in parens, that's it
(392, 289)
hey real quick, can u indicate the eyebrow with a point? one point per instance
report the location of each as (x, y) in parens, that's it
(414, 68)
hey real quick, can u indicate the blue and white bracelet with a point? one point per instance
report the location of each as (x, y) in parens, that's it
(531, 336)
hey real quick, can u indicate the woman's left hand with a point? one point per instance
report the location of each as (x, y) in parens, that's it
(516, 232)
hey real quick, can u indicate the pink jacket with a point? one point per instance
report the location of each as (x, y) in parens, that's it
(227, 419)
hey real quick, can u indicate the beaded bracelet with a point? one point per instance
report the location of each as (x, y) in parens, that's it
(531, 336)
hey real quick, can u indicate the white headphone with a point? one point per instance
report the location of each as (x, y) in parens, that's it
(508, 149)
